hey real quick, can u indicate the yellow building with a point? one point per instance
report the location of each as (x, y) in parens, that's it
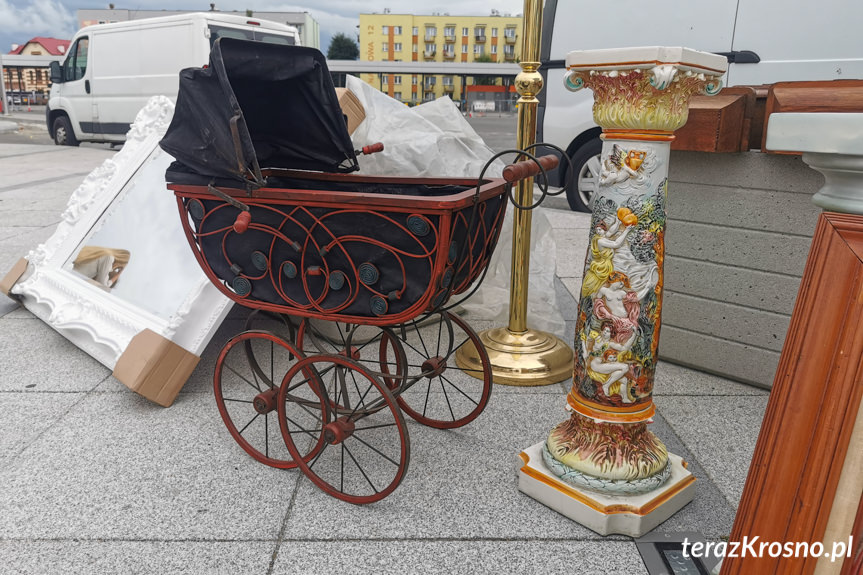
(435, 38)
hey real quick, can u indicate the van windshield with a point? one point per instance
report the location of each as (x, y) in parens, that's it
(247, 34)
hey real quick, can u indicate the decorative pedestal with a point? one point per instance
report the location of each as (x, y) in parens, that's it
(632, 515)
(619, 477)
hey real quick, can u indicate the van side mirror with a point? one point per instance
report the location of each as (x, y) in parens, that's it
(56, 72)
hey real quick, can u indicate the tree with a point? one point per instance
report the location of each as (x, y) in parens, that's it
(484, 80)
(343, 47)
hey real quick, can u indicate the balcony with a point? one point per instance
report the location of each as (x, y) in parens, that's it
(430, 37)
(509, 56)
(429, 53)
(448, 88)
(479, 38)
(448, 54)
(509, 38)
(449, 38)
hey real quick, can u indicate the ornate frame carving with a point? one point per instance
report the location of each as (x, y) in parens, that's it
(101, 324)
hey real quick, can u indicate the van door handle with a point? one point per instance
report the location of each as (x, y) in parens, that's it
(87, 86)
(741, 57)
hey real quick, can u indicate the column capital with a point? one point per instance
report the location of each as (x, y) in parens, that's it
(644, 89)
(832, 143)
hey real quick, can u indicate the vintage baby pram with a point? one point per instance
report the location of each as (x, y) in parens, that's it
(350, 277)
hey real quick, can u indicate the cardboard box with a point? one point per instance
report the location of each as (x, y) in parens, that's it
(13, 276)
(351, 108)
(155, 367)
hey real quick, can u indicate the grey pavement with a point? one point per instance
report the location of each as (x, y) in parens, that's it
(96, 479)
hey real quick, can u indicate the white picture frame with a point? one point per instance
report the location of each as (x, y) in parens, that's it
(186, 308)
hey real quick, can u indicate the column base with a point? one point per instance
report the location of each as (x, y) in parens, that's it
(531, 358)
(632, 515)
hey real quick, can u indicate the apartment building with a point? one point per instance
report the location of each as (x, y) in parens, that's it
(435, 38)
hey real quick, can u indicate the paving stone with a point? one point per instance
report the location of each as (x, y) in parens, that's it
(460, 484)
(120, 467)
(76, 557)
(28, 415)
(673, 379)
(461, 556)
(720, 432)
(35, 357)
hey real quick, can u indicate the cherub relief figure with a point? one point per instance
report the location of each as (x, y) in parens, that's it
(620, 165)
(602, 354)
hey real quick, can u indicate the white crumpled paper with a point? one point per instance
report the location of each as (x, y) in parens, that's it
(434, 140)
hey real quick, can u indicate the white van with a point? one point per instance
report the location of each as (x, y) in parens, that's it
(765, 41)
(111, 70)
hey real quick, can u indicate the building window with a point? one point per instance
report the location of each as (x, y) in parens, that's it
(509, 50)
(414, 80)
(509, 33)
(385, 47)
(415, 48)
(494, 48)
(397, 96)
(397, 80)
(430, 49)
(465, 32)
(431, 32)
(447, 80)
(397, 30)
(494, 32)
(385, 30)
(449, 31)
(385, 79)
(397, 46)
(416, 31)
(464, 48)
(478, 50)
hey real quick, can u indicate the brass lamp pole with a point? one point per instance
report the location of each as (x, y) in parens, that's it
(518, 355)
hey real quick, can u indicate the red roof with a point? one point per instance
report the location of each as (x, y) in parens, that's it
(51, 45)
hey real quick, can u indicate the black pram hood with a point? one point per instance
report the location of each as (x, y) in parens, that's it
(276, 102)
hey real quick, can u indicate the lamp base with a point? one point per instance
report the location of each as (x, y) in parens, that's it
(530, 358)
(632, 515)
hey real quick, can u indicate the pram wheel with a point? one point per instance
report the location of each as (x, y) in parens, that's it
(376, 348)
(338, 410)
(440, 393)
(245, 382)
(277, 324)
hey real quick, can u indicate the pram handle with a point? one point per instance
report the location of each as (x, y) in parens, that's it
(528, 168)
(371, 149)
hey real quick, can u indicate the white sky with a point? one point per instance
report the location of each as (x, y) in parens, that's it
(21, 20)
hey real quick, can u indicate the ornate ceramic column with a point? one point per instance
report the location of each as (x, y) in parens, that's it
(603, 455)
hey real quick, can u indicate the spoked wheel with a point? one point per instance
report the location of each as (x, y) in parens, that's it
(337, 410)
(376, 348)
(276, 324)
(440, 393)
(245, 382)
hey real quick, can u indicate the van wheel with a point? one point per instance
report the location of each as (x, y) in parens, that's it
(585, 180)
(63, 134)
